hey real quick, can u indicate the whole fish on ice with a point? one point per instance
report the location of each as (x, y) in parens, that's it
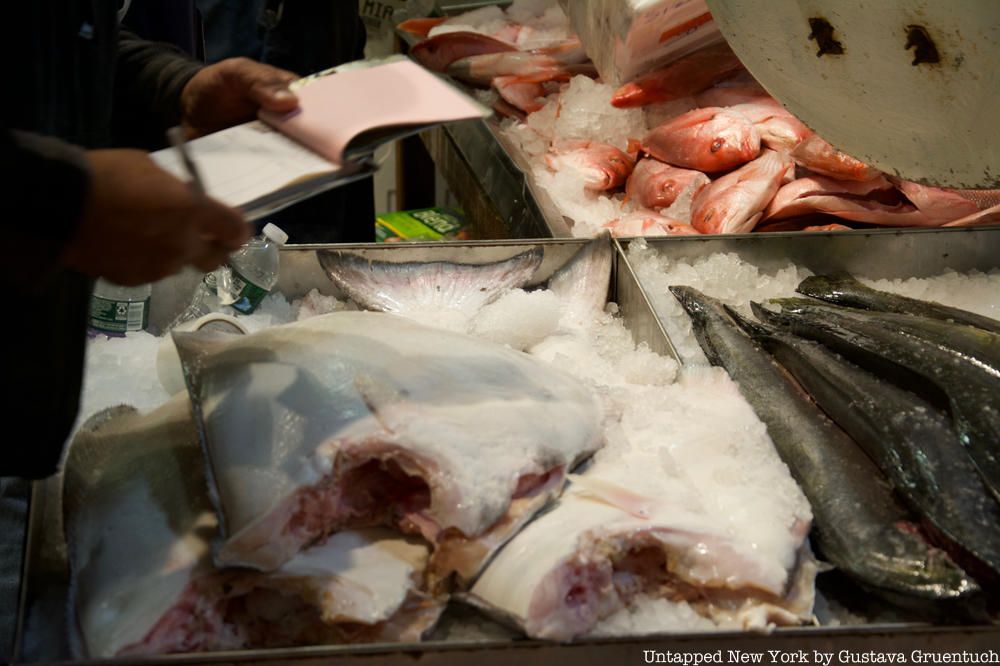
(963, 362)
(654, 184)
(875, 201)
(708, 139)
(843, 289)
(648, 223)
(601, 166)
(859, 525)
(437, 53)
(139, 525)
(360, 419)
(912, 443)
(736, 202)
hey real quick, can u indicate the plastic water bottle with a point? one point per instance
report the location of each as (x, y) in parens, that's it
(242, 282)
(252, 271)
(205, 300)
(116, 310)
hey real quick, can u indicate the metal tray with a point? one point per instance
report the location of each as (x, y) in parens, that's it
(42, 629)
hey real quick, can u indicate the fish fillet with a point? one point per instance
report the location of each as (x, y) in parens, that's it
(139, 524)
(359, 419)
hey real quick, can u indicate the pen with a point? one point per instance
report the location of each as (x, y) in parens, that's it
(177, 140)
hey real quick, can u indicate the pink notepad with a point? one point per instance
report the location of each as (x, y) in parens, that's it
(350, 111)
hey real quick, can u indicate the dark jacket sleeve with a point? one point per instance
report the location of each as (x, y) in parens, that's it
(148, 83)
(46, 180)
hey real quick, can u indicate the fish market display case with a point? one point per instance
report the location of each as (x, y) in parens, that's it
(42, 634)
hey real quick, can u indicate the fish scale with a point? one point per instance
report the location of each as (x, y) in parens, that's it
(859, 526)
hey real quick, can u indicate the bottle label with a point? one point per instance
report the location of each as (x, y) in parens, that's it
(248, 295)
(118, 316)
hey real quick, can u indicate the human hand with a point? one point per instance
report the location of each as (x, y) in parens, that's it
(231, 92)
(141, 224)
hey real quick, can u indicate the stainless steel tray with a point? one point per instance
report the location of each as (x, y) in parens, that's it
(42, 631)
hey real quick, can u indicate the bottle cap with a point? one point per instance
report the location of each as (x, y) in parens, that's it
(275, 233)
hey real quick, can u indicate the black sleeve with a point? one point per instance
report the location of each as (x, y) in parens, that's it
(148, 83)
(46, 181)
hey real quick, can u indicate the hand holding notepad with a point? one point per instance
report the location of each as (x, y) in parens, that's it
(261, 167)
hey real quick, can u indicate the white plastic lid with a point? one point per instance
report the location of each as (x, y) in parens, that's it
(275, 233)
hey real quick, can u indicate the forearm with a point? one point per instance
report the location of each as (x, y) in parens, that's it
(149, 80)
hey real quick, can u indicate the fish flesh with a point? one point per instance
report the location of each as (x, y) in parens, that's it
(437, 53)
(817, 155)
(859, 526)
(427, 291)
(710, 139)
(654, 184)
(844, 289)
(912, 443)
(960, 360)
(682, 78)
(361, 419)
(721, 535)
(601, 166)
(139, 525)
(648, 223)
(735, 202)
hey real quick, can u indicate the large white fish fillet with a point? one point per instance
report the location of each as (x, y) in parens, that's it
(139, 525)
(358, 419)
(688, 504)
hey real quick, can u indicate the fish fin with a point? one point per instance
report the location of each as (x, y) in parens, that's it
(612, 494)
(582, 283)
(421, 286)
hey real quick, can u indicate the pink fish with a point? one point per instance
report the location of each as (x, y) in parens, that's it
(874, 202)
(437, 53)
(681, 78)
(420, 26)
(710, 139)
(601, 166)
(985, 216)
(778, 128)
(647, 223)
(519, 93)
(934, 202)
(817, 155)
(735, 203)
(655, 185)
(982, 198)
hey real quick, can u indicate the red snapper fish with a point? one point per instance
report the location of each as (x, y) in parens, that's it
(648, 223)
(817, 155)
(735, 202)
(437, 53)
(601, 166)
(710, 139)
(654, 184)
(681, 78)
(875, 201)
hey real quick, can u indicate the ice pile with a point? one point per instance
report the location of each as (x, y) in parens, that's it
(527, 24)
(736, 282)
